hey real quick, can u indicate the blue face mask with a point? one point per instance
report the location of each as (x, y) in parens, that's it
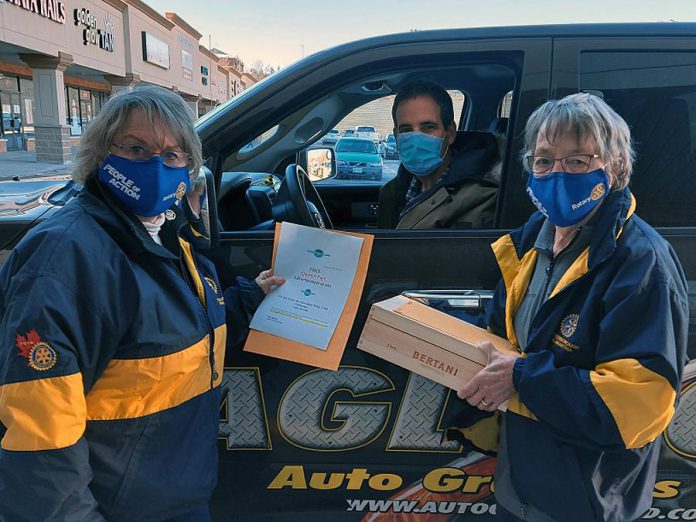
(566, 199)
(419, 152)
(147, 188)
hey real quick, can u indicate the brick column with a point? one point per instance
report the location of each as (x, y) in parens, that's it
(50, 128)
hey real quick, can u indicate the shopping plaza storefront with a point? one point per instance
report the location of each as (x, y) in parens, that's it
(60, 60)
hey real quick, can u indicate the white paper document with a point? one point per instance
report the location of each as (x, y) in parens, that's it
(319, 267)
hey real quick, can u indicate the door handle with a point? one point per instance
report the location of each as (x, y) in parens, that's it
(463, 299)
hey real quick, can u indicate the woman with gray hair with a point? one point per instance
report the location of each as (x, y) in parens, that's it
(596, 302)
(113, 334)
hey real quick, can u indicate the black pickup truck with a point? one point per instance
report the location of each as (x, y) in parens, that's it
(364, 442)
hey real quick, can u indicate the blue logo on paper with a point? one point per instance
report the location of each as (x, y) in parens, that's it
(318, 253)
(307, 292)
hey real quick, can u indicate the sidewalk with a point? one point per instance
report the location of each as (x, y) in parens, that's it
(23, 164)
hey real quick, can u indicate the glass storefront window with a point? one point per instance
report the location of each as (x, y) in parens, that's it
(13, 119)
(72, 98)
(85, 108)
(26, 87)
(82, 106)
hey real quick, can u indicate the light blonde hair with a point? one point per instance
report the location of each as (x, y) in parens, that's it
(158, 104)
(588, 117)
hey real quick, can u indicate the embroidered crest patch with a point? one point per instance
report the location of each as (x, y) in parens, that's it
(569, 324)
(40, 356)
(212, 284)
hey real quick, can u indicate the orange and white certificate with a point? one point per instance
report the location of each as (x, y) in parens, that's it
(325, 273)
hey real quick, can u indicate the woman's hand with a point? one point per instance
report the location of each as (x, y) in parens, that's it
(491, 386)
(266, 281)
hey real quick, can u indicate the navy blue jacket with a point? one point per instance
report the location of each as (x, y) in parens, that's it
(598, 382)
(111, 360)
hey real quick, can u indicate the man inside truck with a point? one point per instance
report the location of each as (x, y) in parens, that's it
(447, 179)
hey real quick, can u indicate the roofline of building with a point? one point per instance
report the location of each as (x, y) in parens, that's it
(173, 17)
(207, 52)
(118, 4)
(232, 70)
(149, 11)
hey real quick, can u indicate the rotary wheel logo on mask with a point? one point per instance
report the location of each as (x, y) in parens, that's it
(597, 192)
(180, 190)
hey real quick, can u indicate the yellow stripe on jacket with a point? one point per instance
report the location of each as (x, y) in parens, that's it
(51, 413)
(131, 388)
(640, 400)
(191, 266)
(44, 414)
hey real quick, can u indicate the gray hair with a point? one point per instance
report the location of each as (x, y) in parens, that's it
(587, 116)
(156, 103)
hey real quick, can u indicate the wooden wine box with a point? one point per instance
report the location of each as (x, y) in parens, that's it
(426, 341)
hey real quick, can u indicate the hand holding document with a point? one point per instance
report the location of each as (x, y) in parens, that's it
(308, 319)
(319, 268)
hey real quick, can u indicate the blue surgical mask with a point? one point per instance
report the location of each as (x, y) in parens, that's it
(566, 199)
(419, 152)
(147, 188)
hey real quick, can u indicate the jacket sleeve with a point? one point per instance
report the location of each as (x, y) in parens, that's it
(48, 356)
(241, 301)
(629, 397)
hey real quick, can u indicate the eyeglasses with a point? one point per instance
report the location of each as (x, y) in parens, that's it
(574, 164)
(137, 152)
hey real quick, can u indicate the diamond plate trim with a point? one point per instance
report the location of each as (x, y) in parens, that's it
(681, 432)
(308, 402)
(416, 427)
(246, 426)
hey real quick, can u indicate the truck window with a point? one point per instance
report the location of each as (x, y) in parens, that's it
(655, 93)
(378, 112)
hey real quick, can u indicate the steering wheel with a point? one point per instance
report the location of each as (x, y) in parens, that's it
(297, 201)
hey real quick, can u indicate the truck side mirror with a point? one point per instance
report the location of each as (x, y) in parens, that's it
(200, 208)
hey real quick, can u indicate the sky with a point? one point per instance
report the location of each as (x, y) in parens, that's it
(280, 32)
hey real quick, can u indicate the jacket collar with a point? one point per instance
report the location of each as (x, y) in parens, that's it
(124, 227)
(474, 154)
(618, 207)
(608, 224)
(516, 253)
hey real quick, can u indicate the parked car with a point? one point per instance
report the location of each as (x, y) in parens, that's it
(331, 137)
(364, 442)
(358, 158)
(391, 151)
(367, 132)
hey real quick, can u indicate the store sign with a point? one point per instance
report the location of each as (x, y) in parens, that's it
(184, 41)
(104, 39)
(155, 51)
(51, 9)
(187, 65)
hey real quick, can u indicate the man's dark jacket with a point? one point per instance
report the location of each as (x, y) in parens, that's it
(464, 197)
